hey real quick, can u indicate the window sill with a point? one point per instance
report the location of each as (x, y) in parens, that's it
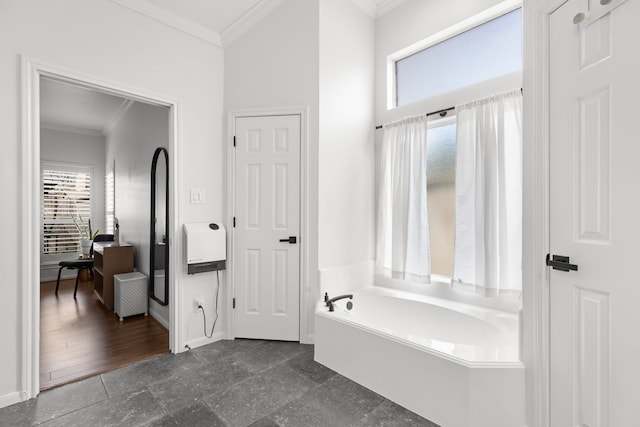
(440, 287)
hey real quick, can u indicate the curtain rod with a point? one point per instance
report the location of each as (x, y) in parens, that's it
(442, 113)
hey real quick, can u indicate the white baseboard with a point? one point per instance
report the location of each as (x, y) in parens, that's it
(51, 274)
(159, 318)
(309, 339)
(199, 342)
(10, 399)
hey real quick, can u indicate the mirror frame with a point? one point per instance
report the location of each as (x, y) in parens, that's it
(152, 237)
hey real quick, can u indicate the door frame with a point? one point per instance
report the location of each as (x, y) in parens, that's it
(536, 209)
(32, 70)
(232, 115)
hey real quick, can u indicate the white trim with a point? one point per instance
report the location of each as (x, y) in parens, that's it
(32, 70)
(249, 19)
(30, 345)
(117, 116)
(386, 6)
(71, 129)
(10, 399)
(200, 341)
(452, 31)
(153, 312)
(305, 292)
(172, 20)
(377, 8)
(367, 6)
(535, 280)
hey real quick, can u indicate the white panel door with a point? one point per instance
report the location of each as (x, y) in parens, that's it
(267, 228)
(595, 213)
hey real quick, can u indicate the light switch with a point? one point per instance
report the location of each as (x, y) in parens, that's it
(197, 196)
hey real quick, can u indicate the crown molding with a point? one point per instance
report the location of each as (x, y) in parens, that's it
(373, 8)
(377, 8)
(254, 15)
(117, 116)
(151, 11)
(70, 129)
(368, 6)
(386, 6)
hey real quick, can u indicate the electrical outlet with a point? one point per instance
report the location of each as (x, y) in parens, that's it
(197, 302)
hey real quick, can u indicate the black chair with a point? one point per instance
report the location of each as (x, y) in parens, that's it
(81, 264)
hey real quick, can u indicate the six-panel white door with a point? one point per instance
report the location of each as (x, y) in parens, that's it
(267, 215)
(595, 214)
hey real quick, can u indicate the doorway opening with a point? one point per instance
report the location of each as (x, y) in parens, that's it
(76, 331)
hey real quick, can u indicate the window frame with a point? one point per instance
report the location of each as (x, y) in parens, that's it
(452, 31)
(63, 167)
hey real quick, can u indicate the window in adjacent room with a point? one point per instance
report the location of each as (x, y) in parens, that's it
(66, 194)
(110, 200)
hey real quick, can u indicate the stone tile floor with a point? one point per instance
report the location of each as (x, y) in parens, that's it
(228, 383)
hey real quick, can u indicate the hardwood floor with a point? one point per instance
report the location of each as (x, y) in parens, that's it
(81, 337)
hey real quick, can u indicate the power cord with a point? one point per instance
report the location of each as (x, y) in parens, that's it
(204, 315)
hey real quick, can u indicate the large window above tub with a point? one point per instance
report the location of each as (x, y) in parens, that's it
(483, 48)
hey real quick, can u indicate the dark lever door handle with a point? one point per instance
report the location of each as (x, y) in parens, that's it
(292, 240)
(559, 262)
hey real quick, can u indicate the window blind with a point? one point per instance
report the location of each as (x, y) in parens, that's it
(110, 202)
(65, 195)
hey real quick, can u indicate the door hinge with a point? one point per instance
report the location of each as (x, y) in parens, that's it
(234, 222)
(234, 140)
(234, 303)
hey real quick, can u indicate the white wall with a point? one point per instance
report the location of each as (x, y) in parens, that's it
(319, 54)
(113, 43)
(131, 144)
(347, 127)
(75, 148)
(275, 65)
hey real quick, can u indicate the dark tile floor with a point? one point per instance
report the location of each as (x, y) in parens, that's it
(228, 383)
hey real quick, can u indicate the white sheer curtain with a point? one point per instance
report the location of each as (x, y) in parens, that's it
(403, 230)
(488, 242)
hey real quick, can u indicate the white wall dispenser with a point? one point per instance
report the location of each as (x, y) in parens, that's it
(206, 245)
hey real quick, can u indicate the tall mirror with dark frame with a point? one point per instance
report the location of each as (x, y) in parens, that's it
(159, 227)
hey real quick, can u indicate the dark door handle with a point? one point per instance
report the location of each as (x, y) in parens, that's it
(292, 240)
(559, 262)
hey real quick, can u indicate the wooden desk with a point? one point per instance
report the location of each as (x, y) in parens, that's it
(110, 259)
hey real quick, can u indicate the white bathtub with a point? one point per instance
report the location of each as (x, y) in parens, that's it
(452, 363)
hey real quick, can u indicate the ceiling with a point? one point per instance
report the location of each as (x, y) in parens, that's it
(69, 107)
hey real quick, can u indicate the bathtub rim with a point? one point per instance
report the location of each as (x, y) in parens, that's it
(461, 308)
(484, 314)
